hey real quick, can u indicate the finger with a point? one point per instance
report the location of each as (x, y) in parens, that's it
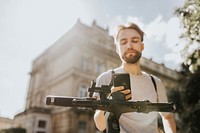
(128, 97)
(115, 89)
(127, 91)
(96, 97)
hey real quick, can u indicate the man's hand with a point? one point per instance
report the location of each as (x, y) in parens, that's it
(127, 92)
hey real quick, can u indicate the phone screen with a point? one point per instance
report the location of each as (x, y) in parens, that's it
(122, 79)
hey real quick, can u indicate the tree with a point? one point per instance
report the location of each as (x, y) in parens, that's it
(190, 94)
(189, 15)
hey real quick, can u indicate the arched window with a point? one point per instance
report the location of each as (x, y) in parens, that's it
(82, 127)
(82, 91)
(86, 63)
(100, 68)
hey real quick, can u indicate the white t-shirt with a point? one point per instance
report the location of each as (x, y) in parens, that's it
(142, 88)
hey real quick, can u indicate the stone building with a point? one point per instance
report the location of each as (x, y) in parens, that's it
(5, 123)
(67, 69)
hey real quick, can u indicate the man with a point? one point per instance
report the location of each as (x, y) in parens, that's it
(129, 46)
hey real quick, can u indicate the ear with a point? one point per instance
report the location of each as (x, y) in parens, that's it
(142, 46)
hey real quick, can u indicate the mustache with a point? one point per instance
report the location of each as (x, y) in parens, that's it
(131, 51)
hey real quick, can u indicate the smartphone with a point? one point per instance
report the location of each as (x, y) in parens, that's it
(122, 79)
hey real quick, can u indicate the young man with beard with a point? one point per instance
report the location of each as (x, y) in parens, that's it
(129, 46)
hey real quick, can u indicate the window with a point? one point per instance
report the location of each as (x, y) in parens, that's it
(82, 92)
(42, 124)
(84, 63)
(82, 127)
(99, 68)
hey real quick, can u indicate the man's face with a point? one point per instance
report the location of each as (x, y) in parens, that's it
(129, 46)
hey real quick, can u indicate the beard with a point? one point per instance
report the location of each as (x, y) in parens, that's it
(131, 59)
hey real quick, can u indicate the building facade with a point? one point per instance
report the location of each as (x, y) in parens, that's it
(5, 123)
(67, 69)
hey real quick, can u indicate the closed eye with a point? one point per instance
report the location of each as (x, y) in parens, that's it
(123, 41)
(135, 40)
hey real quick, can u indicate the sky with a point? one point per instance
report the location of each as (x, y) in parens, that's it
(29, 27)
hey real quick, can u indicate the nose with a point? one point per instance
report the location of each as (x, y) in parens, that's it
(129, 45)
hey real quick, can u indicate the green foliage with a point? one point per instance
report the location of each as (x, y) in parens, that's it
(189, 111)
(190, 115)
(13, 130)
(192, 63)
(190, 16)
(175, 97)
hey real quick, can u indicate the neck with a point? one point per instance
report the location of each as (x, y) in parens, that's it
(132, 68)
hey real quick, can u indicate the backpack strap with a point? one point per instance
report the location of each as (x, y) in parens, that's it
(154, 84)
(111, 79)
(113, 71)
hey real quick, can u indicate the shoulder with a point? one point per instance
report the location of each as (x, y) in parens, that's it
(162, 96)
(105, 74)
(109, 72)
(157, 80)
(154, 79)
(104, 78)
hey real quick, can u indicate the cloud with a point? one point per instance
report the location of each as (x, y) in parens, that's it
(173, 32)
(174, 57)
(136, 20)
(167, 34)
(160, 30)
(156, 29)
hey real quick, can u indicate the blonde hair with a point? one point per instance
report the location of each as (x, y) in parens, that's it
(128, 26)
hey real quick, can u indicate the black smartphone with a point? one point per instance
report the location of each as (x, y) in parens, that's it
(122, 79)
